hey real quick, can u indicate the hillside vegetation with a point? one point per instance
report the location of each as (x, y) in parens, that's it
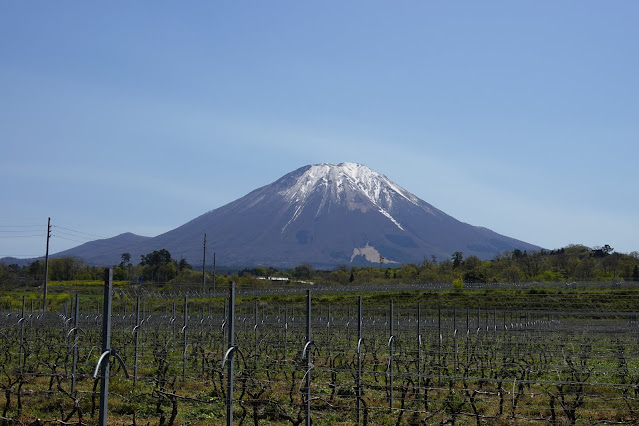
(572, 263)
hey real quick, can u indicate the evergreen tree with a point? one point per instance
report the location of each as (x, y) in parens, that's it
(458, 256)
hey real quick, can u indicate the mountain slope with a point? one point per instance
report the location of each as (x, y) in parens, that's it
(324, 214)
(108, 251)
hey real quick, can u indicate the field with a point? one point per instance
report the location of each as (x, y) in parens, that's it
(418, 354)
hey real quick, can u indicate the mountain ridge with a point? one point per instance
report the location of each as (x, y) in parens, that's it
(322, 214)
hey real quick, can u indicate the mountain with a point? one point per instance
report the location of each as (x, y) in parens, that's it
(323, 214)
(108, 251)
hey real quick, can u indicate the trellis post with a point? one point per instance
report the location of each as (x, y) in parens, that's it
(76, 323)
(419, 348)
(390, 358)
(137, 340)
(229, 354)
(359, 357)
(307, 351)
(106, 346)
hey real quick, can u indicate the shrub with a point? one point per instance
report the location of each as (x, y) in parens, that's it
(458, 284)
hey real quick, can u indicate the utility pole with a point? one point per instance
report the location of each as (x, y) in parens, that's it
(46, 268)
(214, 272)
(203, 266)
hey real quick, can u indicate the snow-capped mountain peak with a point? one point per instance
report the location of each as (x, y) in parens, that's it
(322, 214)
(355, 185)
(375, 186)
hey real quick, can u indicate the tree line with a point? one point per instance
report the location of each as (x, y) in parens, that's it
(571, 263)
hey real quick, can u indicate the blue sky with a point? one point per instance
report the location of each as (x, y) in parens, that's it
(137, 117)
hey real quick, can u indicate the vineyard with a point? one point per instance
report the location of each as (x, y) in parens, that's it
(302, 356)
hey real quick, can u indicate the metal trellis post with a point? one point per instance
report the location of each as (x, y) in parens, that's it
(308, 358)
(185, 339)
(229, 356)
(137, 340)
(76, 322)
(106, 346)
(390, 357)
(359, 357)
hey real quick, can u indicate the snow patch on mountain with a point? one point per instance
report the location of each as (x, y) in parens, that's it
(371, 254)
(298, 210)
(385, 213)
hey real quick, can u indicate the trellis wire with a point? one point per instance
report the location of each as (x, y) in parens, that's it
(515, 335)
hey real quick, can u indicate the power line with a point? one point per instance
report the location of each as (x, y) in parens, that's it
(78, 232)
(58, 233)
(70, 239)
(22, 226)
(11, 231)
(19, 231)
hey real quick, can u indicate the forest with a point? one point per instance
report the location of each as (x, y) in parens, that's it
(568, 264)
